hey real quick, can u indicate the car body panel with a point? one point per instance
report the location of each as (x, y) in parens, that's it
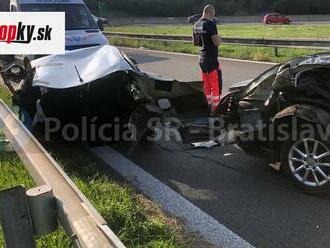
(78, 67)
(76, 39)
(306, 112)
(240, 85)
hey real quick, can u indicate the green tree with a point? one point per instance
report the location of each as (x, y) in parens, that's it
(224, 7)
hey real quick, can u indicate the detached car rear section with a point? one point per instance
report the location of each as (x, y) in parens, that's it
(285, 114)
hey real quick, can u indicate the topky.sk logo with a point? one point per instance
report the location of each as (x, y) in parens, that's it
(32, 33)
(24, 33)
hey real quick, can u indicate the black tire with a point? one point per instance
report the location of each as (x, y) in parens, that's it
(289, 155)
(139, 120)
(268, 22)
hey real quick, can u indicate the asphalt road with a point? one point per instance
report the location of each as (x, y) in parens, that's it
(186, 68)
(241, 192)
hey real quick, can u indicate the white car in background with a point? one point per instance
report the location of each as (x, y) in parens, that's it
(81, 29)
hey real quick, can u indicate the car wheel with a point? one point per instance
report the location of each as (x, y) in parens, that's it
(268, 22)
(307, 162)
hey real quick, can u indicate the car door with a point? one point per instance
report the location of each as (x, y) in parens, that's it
(282, 19)
(276, 18)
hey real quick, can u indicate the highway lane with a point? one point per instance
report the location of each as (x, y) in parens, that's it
(241, 192)
(186, 68)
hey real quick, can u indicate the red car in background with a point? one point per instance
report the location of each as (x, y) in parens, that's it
(276, 18)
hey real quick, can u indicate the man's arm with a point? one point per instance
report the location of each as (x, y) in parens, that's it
(213, 31)
(216, 40)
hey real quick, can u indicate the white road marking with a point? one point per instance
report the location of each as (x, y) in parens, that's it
(172, 202)
(194, 55)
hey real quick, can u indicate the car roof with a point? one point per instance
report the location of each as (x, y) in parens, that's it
(50, 1)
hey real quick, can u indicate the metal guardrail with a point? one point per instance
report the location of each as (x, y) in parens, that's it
(288, 43)
(79, 218)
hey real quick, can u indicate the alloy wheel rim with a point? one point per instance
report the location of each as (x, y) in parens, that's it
(309, 162)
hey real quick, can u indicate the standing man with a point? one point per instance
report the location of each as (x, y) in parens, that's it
(207, 38)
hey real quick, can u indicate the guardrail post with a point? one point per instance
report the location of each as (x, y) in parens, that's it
(42, 209)
(5, 145)
(276, 51)
(15, 218)
(77, 215)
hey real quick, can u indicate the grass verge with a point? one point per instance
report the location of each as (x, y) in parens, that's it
(118, 203)
(227, 51)
(266, 54)
(313, 31)
(12, 174)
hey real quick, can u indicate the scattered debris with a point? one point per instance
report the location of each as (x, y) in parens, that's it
(207, 144)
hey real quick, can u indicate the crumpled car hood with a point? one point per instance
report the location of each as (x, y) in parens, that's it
(78, 67)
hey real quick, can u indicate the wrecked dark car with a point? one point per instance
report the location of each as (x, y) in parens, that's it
(97, 94)
(284, 114)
